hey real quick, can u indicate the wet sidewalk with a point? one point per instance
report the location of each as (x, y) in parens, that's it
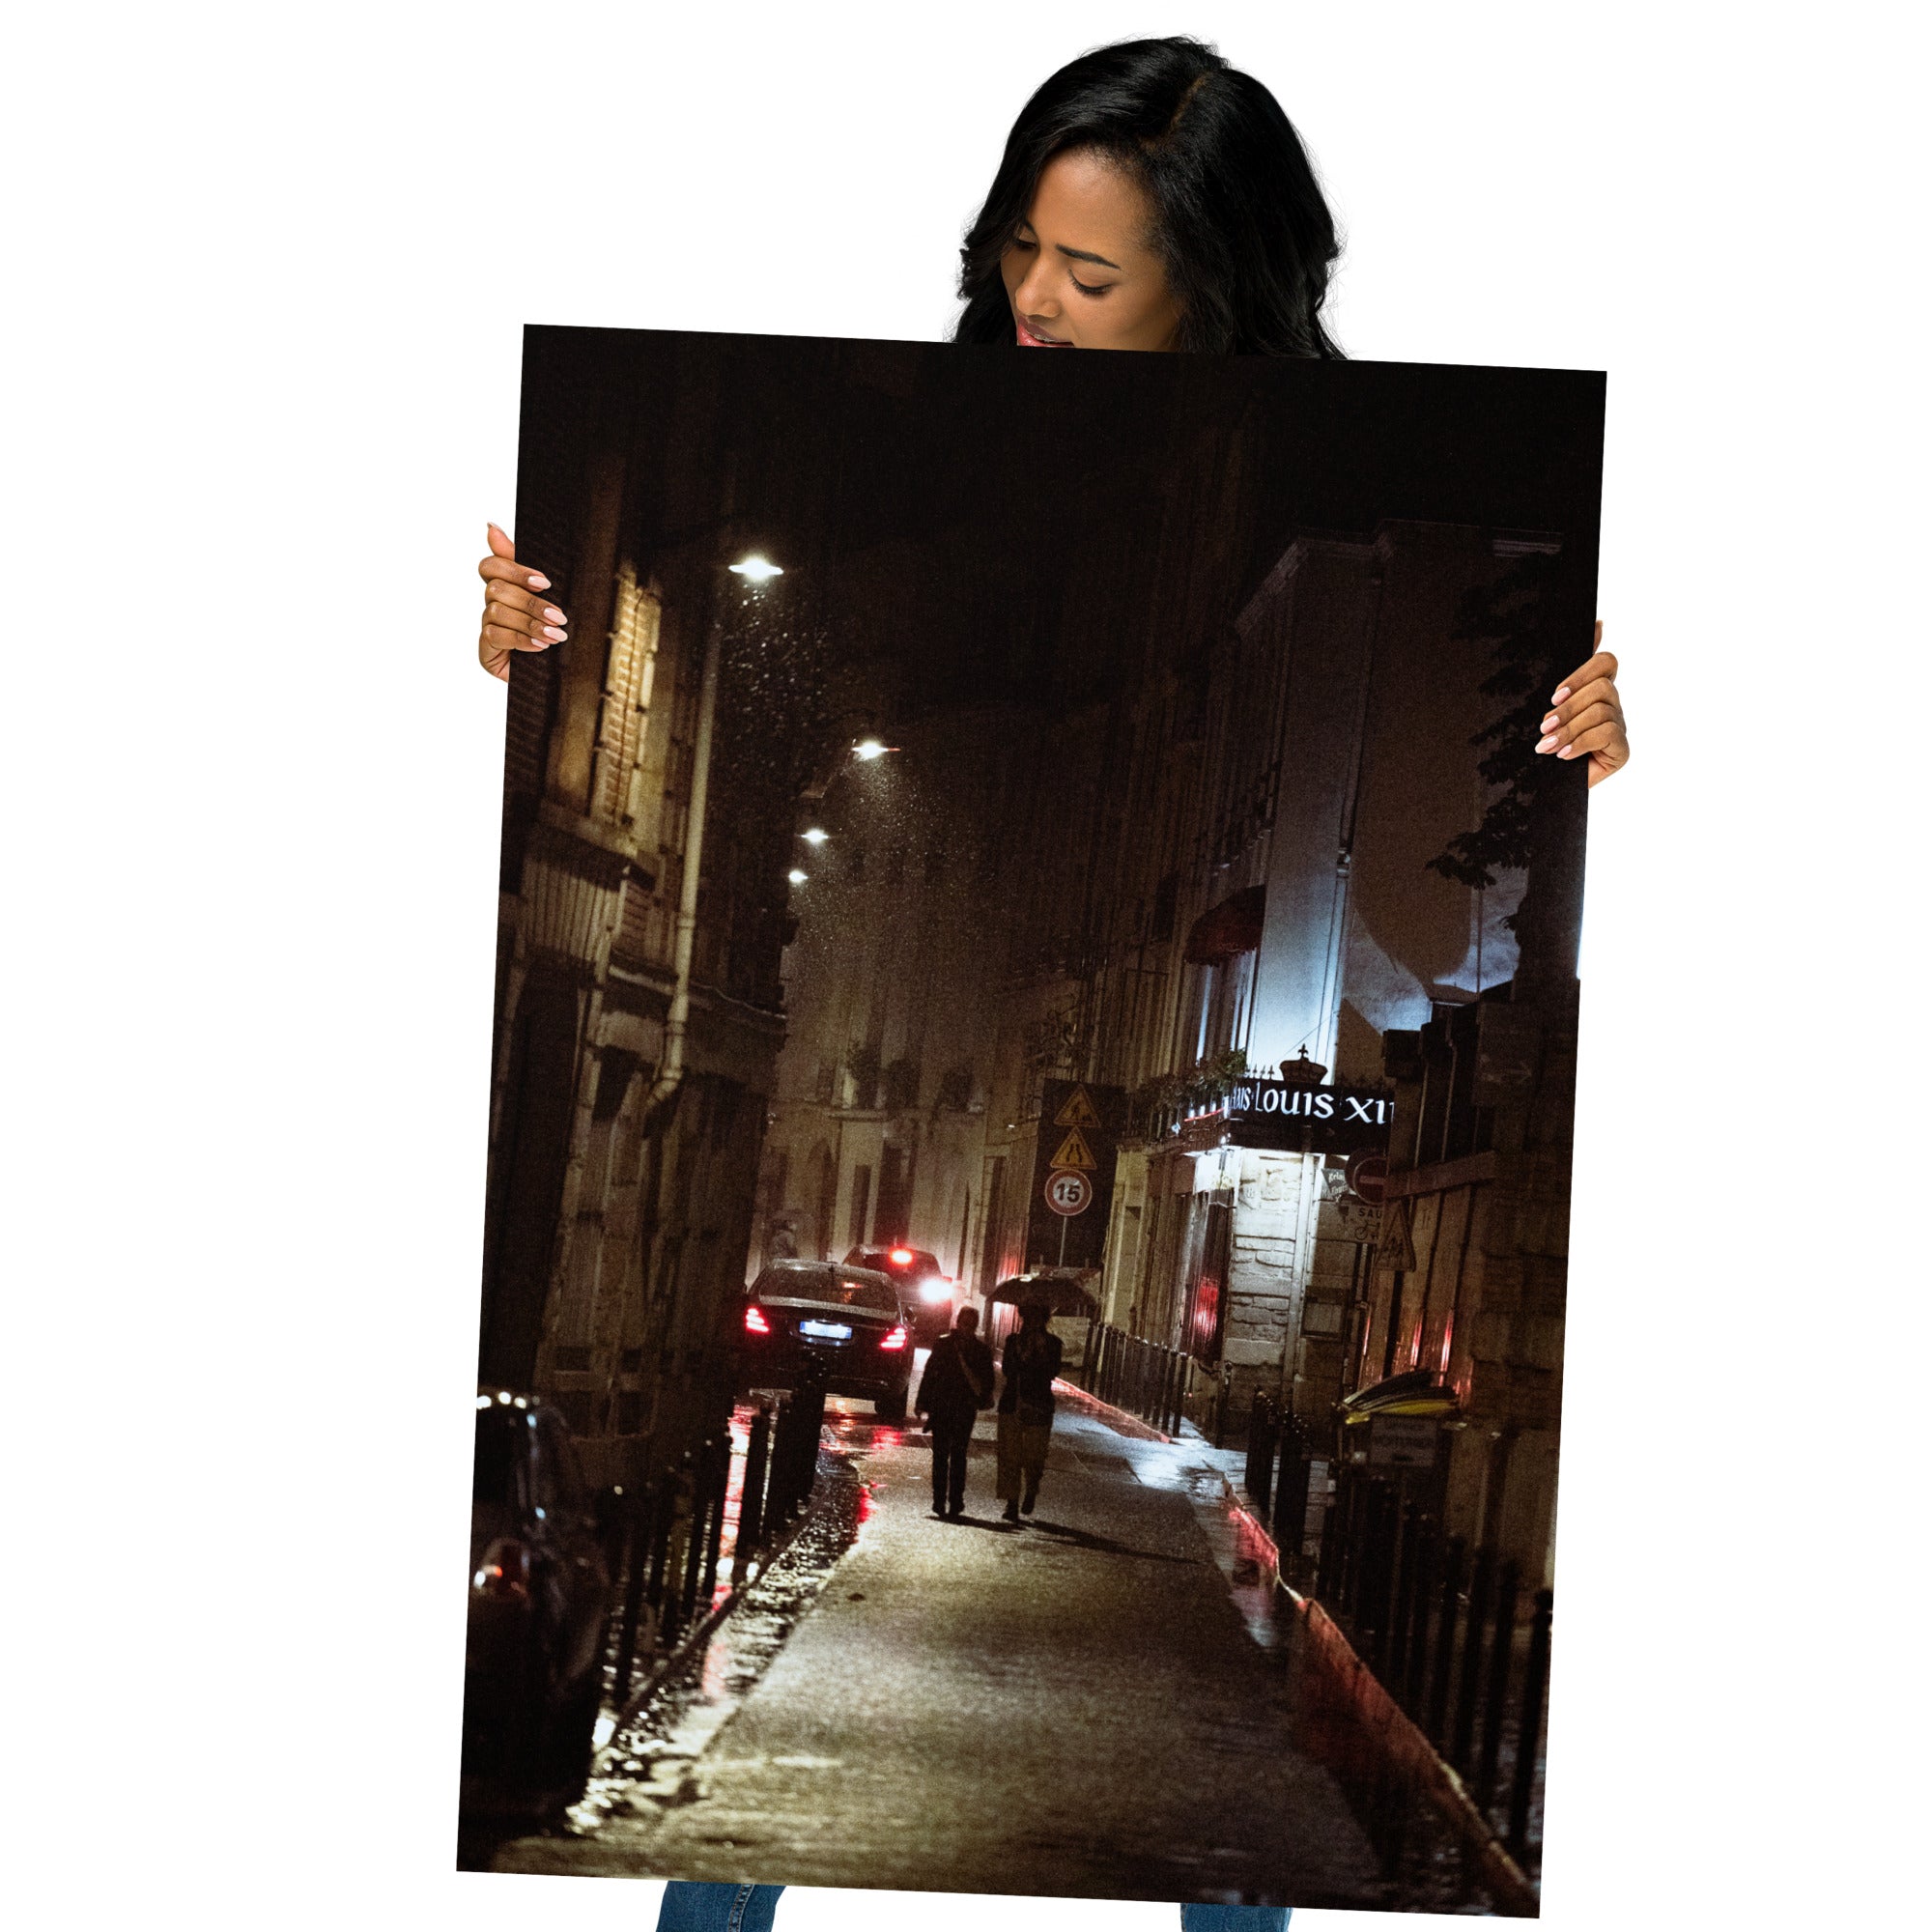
(1082, 1706)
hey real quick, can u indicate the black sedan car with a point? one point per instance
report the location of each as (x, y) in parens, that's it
(929, 1297)
(845, 1322)
(539, 1590)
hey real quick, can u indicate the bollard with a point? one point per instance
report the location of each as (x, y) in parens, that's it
(662, 1510)
(1414, 1665)
(672, 1615)
(1261, 1448)
(1291, 1492)
(1501, 1651)
(1454, 1560)
(1482, 1586)
(1350, 1591)
(714, 1542)
(751, 1493)
(785, 1464)
(690, 1555)
(1529, 1724)
(1406, 1599)
(1394, 1647)
(636, 1562)
(1328, 1551)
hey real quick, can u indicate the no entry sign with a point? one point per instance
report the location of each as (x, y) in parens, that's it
(1368, 1176)
(1069, 1191)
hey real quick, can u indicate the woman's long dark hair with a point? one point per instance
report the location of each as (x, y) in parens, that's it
(1245, 237)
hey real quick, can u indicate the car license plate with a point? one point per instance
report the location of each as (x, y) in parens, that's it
(826, 1331)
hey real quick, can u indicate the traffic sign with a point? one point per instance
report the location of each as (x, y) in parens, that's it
(1069, 1191)
(1397, 1252)
(1367, 1175)
(1078, 1112)
(1074, 1152)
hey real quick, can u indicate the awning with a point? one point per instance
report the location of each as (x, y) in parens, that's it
(1229, 929)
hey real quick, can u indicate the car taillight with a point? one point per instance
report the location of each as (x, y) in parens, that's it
(756, 1322)
(935, 1288)
(504, 1570)
(895, 1339)
(900, 1256)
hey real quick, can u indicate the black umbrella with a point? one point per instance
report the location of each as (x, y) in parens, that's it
(1058, 1294)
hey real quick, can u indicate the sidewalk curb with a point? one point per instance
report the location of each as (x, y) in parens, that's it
(1116, 1419)
(700, 1634)
(1395, 1733)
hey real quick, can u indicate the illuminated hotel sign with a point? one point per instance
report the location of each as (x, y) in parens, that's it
(1322, 1120)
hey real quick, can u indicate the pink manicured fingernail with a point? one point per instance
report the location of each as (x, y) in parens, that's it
(539, 582)
(1545, 744)
(1557, 697)
(555, 615)
(1568, 751)
(1550, 723)
(553, 633)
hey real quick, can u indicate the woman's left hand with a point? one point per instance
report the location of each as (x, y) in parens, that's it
(1586, 715)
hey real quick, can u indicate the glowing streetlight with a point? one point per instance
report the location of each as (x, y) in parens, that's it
(755, 569)
(869, 749)
(797, 877)
(817, 836)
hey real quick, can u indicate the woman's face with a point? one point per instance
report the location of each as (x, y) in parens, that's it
(1080, 273)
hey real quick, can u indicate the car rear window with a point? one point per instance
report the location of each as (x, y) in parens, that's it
(832, 1287)
(881, 1258)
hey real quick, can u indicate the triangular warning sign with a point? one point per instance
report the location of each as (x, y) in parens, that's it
(1074, 1152)
(1078, 1112)
(1397, 1251)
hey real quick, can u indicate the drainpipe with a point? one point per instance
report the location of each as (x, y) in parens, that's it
(671, 1067)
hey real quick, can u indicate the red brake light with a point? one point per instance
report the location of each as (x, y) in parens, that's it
(504, 1570)
(756, 1322)
(897, 1339)
(900, 1256)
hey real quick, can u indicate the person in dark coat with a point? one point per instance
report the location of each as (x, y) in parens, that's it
(1029, 1364)
(957, 1385)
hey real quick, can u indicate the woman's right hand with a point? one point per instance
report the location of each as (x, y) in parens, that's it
(514, 618)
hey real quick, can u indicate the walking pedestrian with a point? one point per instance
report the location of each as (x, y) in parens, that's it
(957, 1385)
(1029, 1364)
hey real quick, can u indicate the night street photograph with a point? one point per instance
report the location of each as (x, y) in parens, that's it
(1021, 1332)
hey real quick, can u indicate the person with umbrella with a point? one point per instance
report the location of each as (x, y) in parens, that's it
(1027, 1367)
(957, 1385)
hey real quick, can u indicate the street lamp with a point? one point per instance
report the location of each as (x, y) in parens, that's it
(816, 835)
(869, 749)
(755, 569)
(797, 877)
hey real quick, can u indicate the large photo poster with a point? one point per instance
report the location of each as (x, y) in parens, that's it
(1022, 1316)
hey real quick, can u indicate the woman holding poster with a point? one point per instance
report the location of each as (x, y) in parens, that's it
(1150, 197)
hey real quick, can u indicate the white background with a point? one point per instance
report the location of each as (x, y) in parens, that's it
(269, 271)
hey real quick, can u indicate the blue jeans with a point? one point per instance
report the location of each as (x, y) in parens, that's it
(750, 1908)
